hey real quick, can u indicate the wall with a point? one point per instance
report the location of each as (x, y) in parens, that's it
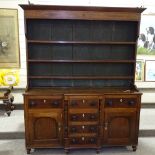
(148, 95)
(14, 4)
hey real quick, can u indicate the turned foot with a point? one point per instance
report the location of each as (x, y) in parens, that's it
(134, 147)
(97, 151)
(8, 113)
(28, 151)
(66, 151)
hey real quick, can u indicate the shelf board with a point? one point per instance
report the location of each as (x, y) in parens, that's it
(83, 77)
(80, 61)
(82, 42)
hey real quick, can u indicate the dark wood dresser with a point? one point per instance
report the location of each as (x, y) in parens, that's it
(80, 73)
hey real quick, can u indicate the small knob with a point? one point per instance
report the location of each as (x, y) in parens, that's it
(83, 138)
(131, 102)
(109, 103)
(32, 103)
(92, 140)
(74, 140)
(92, 104)
(44, 101)
(55, 103)
(92, 128)
(83, 115)
(73, 103)
(73, 129)
(92, 117)
(74, 117)
(66, 128)
(106, 126)
(121, 100)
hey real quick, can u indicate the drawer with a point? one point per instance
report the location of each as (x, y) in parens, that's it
(83, 117)
(45, 103)
(82, 140)
(83, 103)
(121, 102)
(83, 129)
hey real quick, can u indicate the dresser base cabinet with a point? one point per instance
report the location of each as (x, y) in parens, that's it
(81, 64)
(85, 120)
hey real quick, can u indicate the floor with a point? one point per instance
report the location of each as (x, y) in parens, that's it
(17, 147)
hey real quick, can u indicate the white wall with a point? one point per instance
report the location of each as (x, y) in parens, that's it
(150, 4)
(14, 4)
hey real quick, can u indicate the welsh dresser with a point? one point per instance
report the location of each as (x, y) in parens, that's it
(81, 89)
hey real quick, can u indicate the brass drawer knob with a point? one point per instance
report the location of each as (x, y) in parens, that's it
(44, 101)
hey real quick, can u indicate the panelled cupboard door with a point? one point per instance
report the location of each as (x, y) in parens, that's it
(45, 128)
(119, 127)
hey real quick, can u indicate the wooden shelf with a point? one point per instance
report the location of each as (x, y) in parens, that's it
(81, 42)
(81, 61)
(82, 77)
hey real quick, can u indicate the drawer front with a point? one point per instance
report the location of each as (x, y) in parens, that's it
(83, 129)
(83, 103)
(120, 102)
(82, 140)
(45, 103)
(78, 117)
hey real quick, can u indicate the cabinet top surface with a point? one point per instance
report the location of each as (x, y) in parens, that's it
(80, 91)
(82, 8)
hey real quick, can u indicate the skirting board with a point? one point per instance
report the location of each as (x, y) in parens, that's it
(21, 135)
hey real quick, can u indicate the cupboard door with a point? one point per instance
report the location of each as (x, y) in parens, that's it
(119, 127)
(45, 128)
